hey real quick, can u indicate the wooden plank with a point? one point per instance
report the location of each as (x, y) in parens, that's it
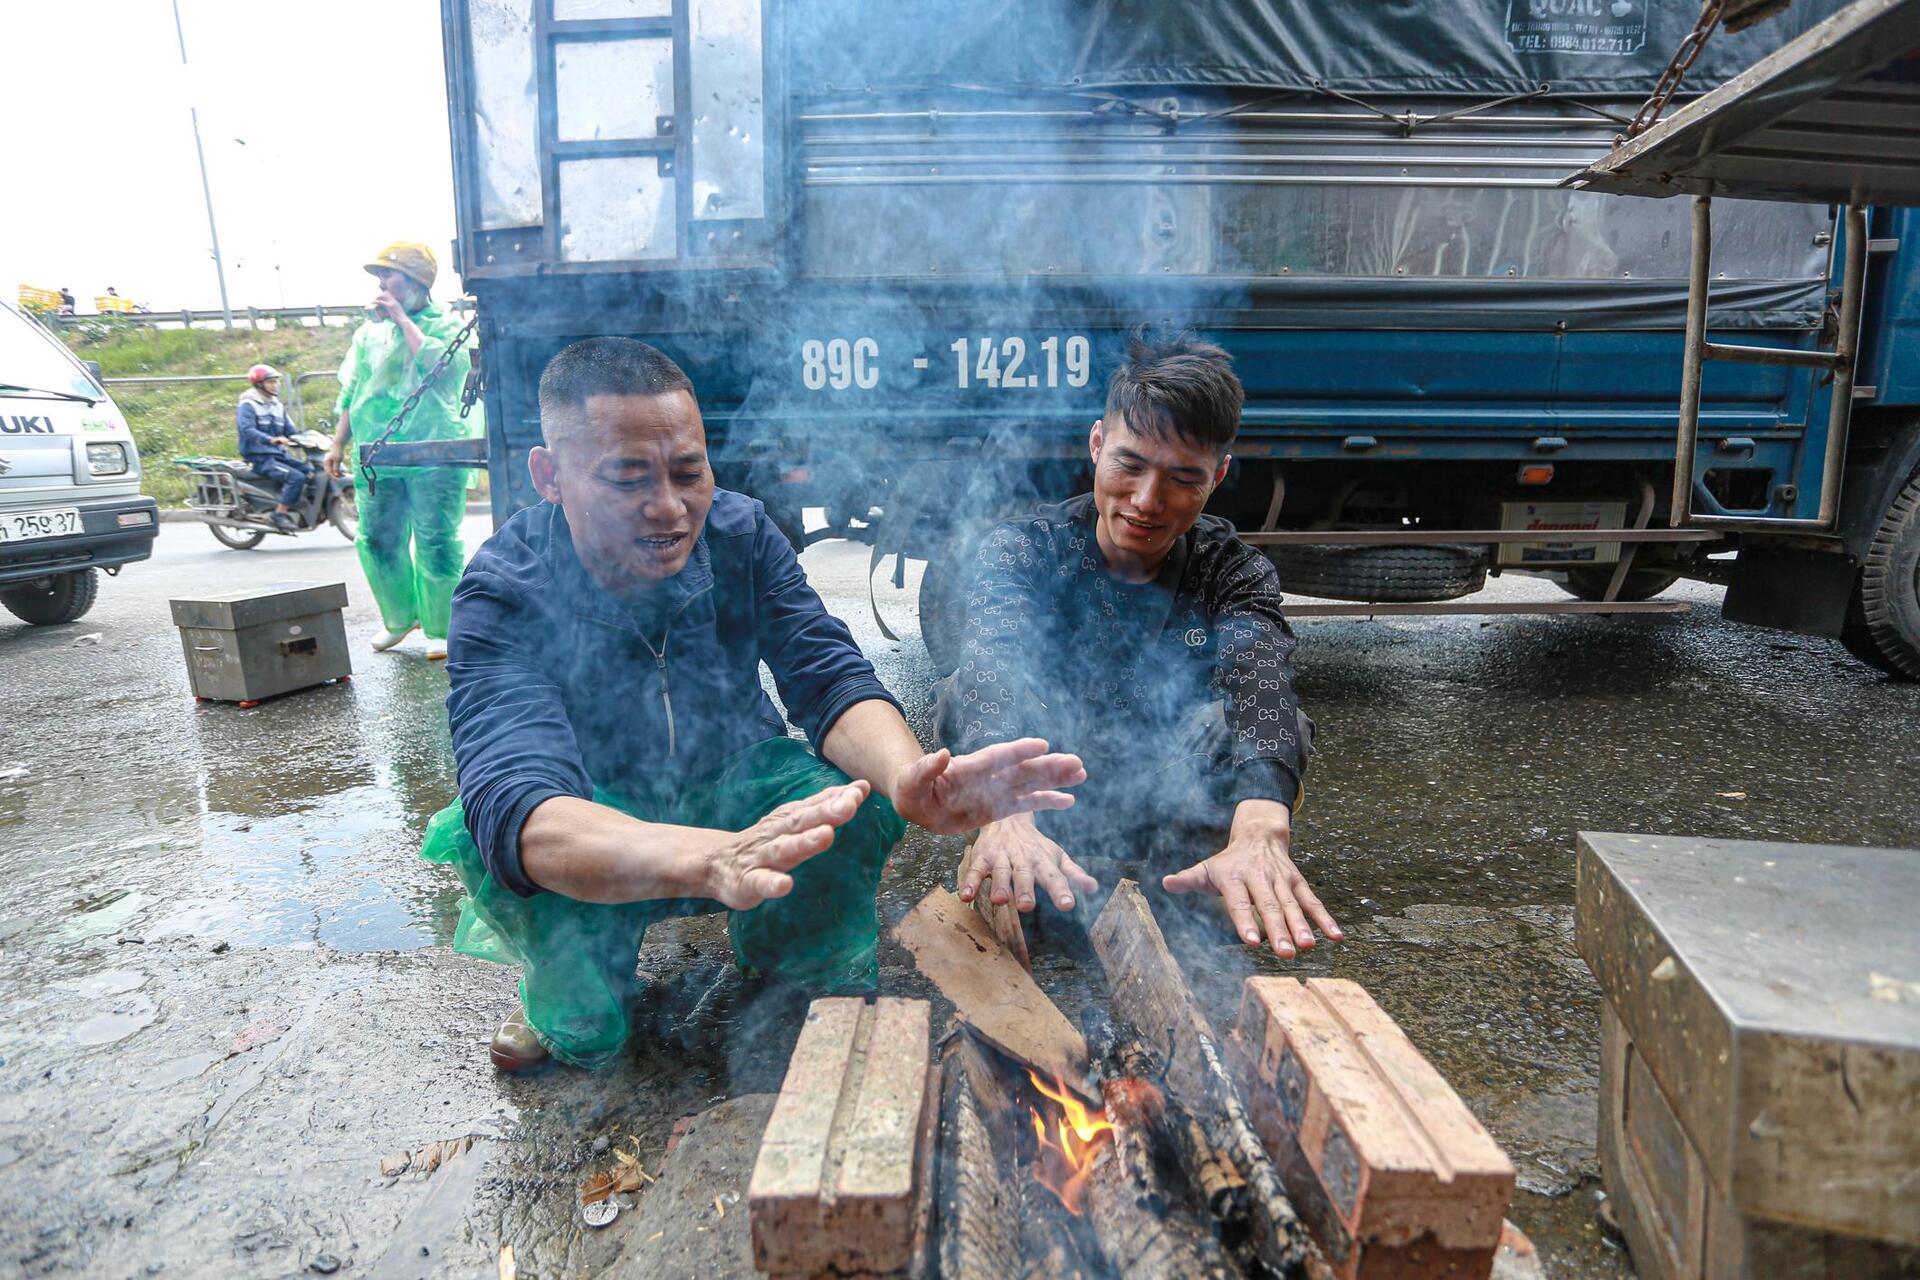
(1005, 918)
(996, 998)
(1150, 993)
(835, 1187)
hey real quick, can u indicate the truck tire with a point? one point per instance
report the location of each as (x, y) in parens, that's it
(48, 602)
(1388, 575)
(1884, 627)
(1589, 582)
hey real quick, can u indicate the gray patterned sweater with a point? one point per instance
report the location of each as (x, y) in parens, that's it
(1057, 647)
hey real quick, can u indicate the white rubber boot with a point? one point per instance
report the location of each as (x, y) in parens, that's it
(384, 640)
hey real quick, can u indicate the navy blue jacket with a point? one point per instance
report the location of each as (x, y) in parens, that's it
(560, 686)
(257, 420)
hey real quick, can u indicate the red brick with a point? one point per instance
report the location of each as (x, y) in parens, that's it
(1384, 1161)
(836, 1184)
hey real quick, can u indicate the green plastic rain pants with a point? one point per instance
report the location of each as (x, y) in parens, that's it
(410, 546)
(579, 961)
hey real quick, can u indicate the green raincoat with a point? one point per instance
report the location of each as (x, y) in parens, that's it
(410, 525)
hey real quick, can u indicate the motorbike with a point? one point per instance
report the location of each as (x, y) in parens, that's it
(237, 503)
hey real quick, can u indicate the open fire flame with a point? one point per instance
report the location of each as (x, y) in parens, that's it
(1062, 1165)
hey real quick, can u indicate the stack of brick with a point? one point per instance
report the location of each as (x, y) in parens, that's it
(1384, 1162)
(839, 1184)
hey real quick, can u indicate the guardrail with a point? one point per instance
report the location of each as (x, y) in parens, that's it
(187, 319)
(296, 408)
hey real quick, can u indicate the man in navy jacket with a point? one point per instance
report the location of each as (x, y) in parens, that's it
(619, 760)
(261, 422)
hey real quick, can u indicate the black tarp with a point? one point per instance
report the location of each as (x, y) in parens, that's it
(1479, 49)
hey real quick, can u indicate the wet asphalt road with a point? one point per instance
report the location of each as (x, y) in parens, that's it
(229, 991)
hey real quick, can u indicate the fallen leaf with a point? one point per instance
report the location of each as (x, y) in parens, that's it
(265, 1031)
(597, 1187)
(395, 1165)
(509, 1269)
(624, 1158)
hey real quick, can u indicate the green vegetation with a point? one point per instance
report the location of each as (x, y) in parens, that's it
(172, 420)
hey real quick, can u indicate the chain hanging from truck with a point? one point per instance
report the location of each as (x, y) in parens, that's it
(1676, 70)
(467, 395)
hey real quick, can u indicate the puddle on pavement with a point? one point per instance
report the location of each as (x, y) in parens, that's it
(109, 982)
(105, 913)
(130, 1014)
(174, 1071)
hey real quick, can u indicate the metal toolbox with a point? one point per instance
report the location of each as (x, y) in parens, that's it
(1760, 1082)
(248, 645)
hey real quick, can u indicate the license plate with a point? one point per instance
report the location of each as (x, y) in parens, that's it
(19, 526)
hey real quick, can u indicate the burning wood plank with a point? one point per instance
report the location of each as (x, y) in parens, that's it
(1151, 993)
(979, 1222)
(1127, 1202)
(997, 998)
(1387, 1164)
(835, 1187)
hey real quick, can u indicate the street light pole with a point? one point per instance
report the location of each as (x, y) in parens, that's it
(206, 188)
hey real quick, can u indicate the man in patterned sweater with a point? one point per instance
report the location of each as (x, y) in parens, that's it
(1128, 628)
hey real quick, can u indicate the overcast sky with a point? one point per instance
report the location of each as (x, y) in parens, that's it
(325, 127)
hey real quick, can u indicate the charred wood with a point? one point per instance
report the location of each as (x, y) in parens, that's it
(1127, 1205)
(1150, 992)
(976, 1202)
(1123, 1054)
(1282, 1238)
(1222, 1189)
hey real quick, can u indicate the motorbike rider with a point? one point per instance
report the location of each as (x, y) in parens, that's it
(265, 434)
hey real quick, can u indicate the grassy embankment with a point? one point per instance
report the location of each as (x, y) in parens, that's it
(174, 420)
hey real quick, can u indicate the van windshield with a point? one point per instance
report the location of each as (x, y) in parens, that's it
(33, 359)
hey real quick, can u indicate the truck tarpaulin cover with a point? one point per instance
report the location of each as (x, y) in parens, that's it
(1477, 48)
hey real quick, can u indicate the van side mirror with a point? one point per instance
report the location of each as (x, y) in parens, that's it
(93, 367)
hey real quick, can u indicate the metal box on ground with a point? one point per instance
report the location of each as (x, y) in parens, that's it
(1760, 1082)
(248, 645)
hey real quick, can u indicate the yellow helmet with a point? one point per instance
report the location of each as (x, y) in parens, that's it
(414, 261)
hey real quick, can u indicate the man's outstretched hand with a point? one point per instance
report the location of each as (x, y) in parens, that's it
(744, 869)
(1018, 860)
(1256, 879)
(947, 793)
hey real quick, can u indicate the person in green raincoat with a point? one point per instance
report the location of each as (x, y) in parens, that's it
(410, 521)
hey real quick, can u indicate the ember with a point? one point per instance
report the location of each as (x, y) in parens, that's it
(1062, 1167)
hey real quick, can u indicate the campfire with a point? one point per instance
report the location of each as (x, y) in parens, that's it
(1020, 1147)
(1062, 1164)
(1101, 1150)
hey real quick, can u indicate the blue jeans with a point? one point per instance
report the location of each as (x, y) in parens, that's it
(291, 475)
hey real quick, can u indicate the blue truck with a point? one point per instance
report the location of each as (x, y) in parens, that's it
(898, 246)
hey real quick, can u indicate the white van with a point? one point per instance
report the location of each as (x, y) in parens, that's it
(70, 501)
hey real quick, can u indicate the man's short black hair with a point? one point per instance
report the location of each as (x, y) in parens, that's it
(1177, 385)
(605, 367)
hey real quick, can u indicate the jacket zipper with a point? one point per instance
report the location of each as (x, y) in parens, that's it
(660, 664)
